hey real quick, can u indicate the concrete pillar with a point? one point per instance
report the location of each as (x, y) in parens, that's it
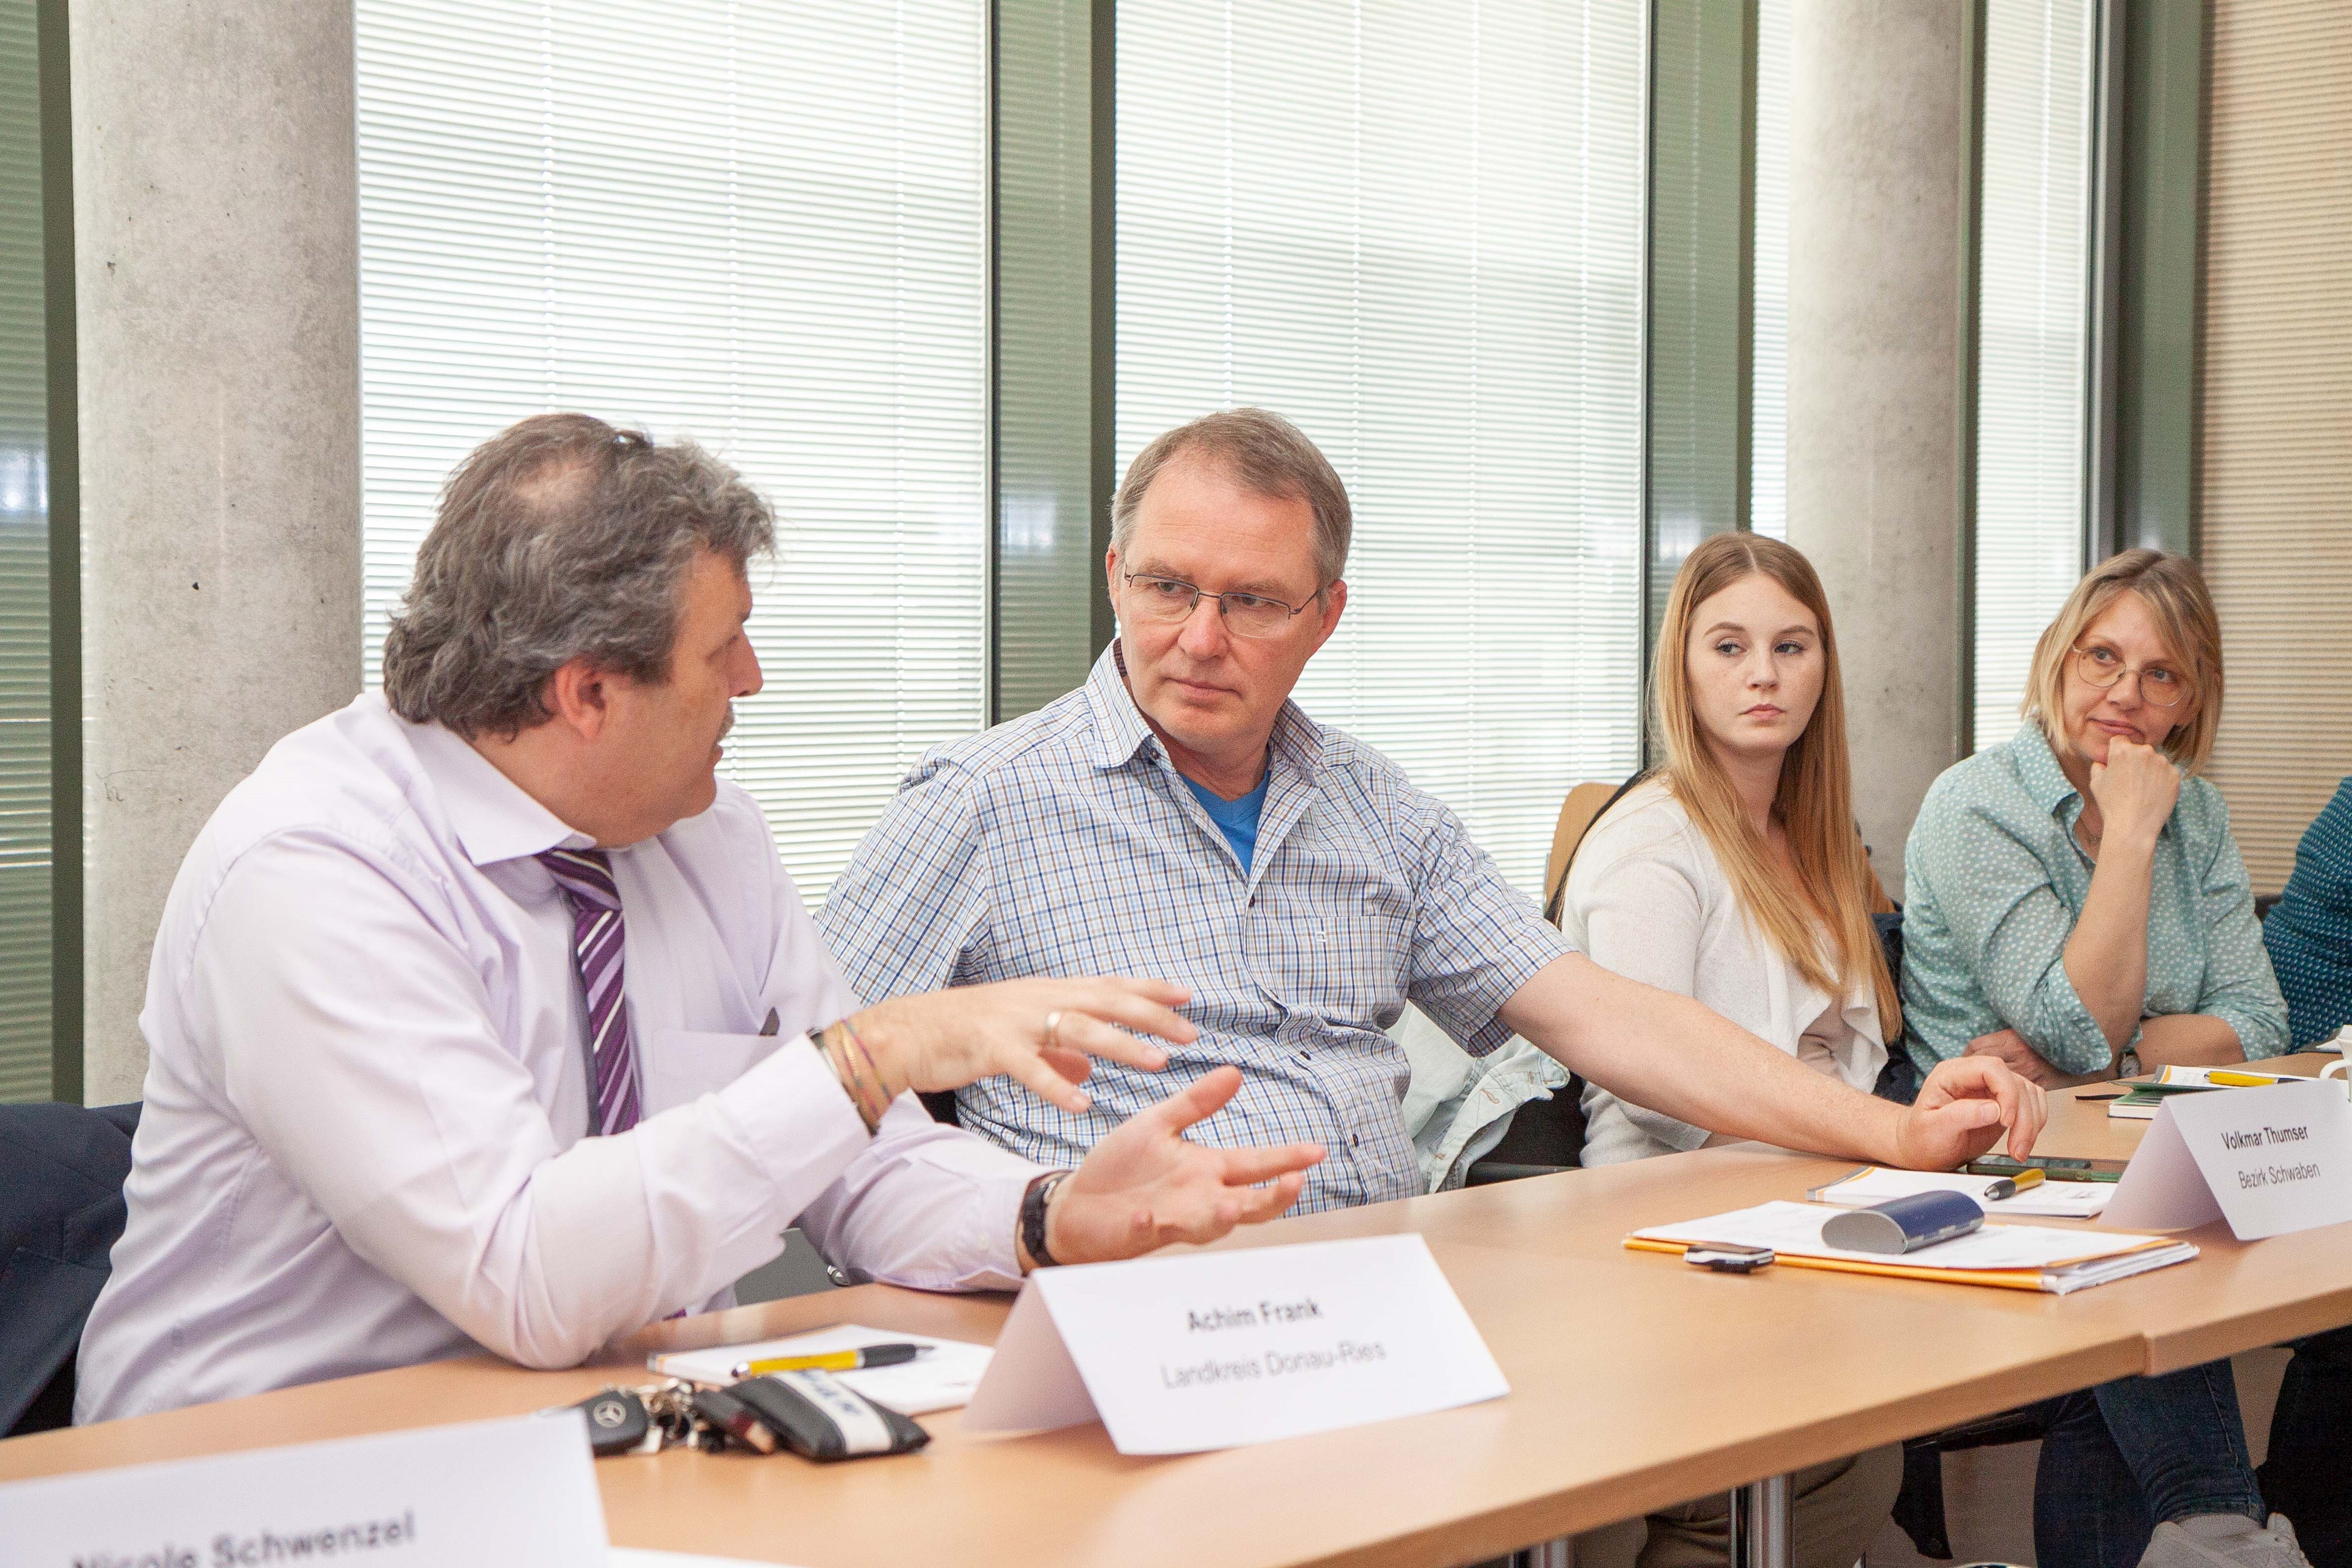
(1877, 187)
(217, 220)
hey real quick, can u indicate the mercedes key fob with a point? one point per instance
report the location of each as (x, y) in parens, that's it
(617, 1424)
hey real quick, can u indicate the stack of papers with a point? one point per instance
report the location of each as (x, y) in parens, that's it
(2016, 1257)
(942, 1379)
(2044, 1200)
(2142, 1097)
(2236, 1077)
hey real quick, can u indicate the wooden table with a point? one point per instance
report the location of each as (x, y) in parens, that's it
(2237, 1295)
(1637, 1382)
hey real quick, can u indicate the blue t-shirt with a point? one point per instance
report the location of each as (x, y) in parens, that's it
(1237, 819)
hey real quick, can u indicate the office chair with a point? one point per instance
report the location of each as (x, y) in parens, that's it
(1548, 1135)
(61, 1174)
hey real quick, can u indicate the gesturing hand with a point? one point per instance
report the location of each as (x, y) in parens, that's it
(1961, 1110)
(2135, 788)
(1145, 1185)
(1039, 1032)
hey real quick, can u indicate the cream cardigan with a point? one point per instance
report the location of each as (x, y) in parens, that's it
(1647, 898)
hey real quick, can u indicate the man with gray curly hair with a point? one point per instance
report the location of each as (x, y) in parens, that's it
(484, 1013)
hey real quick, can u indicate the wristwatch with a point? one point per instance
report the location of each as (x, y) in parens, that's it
(2127, 1062)
(1033, 1217)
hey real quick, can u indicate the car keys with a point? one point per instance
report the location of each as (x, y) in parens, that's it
(618, 1424)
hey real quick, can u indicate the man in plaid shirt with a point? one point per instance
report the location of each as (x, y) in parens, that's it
(1178, 817)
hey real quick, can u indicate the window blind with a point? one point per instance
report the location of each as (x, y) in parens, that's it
(2033, 274)
(25, 952)
(2278, 411)
(1415, 229)
(762, 226)
(1768, 482)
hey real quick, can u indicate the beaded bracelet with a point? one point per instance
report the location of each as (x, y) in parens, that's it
(868, 1097)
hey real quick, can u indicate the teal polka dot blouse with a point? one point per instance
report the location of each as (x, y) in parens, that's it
(1993, 881)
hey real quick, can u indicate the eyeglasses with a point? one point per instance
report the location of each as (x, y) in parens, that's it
(2104, 667)
(1171, 600)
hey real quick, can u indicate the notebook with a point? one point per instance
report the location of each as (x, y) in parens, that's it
(2046, 1200)
(2011, 1257)
(2141, 1097)
(942, 1380)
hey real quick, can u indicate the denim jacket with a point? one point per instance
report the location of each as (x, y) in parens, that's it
(1459, 1105)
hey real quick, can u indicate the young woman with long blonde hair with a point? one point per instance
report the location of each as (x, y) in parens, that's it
(1733, 874)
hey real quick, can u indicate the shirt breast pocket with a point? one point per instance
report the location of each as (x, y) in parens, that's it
(1346, 962)
(683, 1065)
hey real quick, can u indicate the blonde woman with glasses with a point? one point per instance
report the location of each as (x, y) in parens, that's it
(1734, 875)
(2075, 906)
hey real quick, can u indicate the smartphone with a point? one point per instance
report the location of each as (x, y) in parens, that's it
(2050, 1165)
(1728, 1257)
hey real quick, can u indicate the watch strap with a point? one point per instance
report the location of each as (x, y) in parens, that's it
(1034, 1200)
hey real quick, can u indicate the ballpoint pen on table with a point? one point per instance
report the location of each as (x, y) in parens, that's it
(836, 1360)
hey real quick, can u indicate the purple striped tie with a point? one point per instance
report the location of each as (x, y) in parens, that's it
(586, 877)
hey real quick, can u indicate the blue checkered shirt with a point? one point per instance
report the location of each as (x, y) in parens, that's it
(1066, 843)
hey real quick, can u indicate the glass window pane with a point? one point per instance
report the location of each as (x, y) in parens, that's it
(759, 225)
(2034, 279)
(25, 950)
(1415, 230)
(1768, 506)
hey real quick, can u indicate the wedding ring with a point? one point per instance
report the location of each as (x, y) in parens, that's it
(1054, 1031)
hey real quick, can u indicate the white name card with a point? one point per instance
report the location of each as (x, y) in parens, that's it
(2270, 1161)
(1210, 1350)
(517, 1494)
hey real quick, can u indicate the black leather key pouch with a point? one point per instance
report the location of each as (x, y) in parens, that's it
(818, 1417)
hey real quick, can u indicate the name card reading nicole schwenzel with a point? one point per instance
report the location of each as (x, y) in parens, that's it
(1210, 1350)
(2269, 1160)
(517, 1494)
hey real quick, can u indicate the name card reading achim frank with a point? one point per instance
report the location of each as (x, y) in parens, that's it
(1243, 1344)
(1267, 1362)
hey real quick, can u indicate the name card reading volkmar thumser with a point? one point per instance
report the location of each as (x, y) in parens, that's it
(1210, 1350)
(516, 1494)
(2271, 1161)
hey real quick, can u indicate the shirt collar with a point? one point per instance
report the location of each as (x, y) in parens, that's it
(1121, 730)
(492, 815)
(2038, 769)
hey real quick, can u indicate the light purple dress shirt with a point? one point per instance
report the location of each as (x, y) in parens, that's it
(363, 1143)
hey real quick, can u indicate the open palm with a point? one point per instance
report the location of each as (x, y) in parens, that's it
(1145, 1185)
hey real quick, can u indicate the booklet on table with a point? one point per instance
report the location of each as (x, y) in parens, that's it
(942, 1379)
(2043, 1200)
(2014, 1257)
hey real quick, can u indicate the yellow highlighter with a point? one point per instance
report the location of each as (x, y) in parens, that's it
(2242, 1080)
(2011, 1185)
(834, 1360)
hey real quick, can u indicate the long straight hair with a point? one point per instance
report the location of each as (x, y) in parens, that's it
(1820, 923)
